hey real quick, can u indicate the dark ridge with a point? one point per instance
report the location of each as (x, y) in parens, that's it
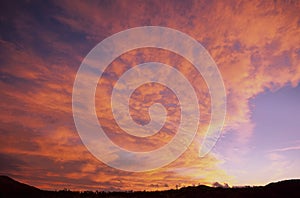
(9, 185)
(13, 188)
(288, 188)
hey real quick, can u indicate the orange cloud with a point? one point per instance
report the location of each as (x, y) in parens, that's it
(255, 44)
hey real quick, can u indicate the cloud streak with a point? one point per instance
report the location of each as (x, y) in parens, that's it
(290, 148)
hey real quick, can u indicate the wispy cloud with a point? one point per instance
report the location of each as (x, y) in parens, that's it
(290, 148)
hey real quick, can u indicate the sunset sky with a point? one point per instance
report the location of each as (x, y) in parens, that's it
(255, 44)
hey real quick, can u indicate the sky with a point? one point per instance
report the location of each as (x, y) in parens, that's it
(255, 45)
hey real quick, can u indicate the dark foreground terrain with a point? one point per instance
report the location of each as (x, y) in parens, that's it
(289, 188)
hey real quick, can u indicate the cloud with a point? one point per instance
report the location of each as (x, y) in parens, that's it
(253, 43)
(290, 148)
(218, 185)
(275, 157)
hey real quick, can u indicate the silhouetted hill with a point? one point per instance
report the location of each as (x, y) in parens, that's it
(9, 187)
(289, 188)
